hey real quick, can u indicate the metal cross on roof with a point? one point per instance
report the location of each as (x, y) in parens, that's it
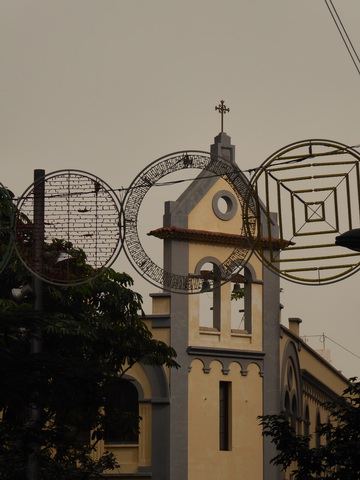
(222, 110)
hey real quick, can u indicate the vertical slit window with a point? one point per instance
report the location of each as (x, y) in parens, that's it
(225, 416)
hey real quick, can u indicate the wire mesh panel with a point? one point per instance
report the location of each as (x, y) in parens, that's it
(79, 227)
(314, 187)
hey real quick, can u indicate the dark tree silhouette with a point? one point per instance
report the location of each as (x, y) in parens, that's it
(337, 457)
(91, 334)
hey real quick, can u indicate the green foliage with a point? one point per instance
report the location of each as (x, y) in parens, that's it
(71, 462)
(6, 219)
(337, 457)
(91, 334)
(238, 295)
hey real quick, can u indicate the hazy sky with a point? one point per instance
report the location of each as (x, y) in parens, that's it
(107, 86)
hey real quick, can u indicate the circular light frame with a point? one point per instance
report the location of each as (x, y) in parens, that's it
(79, 232)
(140, 260)
(314, 188)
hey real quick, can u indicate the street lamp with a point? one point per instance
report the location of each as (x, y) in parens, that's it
(350, 239)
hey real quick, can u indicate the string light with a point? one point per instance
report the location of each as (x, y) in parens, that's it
(249, 171)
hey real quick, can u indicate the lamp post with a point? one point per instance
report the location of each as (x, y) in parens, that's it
(36, 340)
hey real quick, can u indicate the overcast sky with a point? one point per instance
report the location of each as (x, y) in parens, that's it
(107, 86)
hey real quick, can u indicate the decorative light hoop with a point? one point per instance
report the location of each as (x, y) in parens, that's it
(6, 227)
(82, 221)
(138, 189)
(313, 192)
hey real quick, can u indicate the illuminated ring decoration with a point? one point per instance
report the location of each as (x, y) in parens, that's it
(80, 233)
(6, 224)
(314, 186)
(138, 189)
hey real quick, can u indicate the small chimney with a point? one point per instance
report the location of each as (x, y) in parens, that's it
(294, 325)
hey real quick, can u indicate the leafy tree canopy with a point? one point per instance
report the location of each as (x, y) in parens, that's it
(91, 334)
(337, 457)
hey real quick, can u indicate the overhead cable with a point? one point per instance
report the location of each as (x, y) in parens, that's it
(344, 35)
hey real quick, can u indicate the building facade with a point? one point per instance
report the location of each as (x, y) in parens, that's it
(200, 422)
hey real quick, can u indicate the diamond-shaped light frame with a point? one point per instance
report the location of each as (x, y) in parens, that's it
(318, 215)
(314, 188)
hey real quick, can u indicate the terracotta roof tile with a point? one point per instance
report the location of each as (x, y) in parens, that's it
(205, 236)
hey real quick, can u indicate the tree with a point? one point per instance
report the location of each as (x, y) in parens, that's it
(337, 457)
(92, 334)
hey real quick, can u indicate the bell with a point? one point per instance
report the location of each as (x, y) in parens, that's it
(237, 288)
(205, 287)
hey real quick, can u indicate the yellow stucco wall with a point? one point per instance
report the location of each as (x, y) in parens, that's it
(202, 217)
(206, 460)
(327, 381)
(314, 363)
(225, 338)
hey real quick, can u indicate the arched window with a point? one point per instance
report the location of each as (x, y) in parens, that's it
(287, 406)
(210, 297)
(294, 415)
(307, 423)
(317, 434)
(328, 435)
(241, 302)
(121, 412)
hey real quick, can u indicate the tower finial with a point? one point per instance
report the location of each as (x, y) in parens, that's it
(222, 110)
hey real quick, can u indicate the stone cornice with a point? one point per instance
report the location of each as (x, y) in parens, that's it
(205, 236)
